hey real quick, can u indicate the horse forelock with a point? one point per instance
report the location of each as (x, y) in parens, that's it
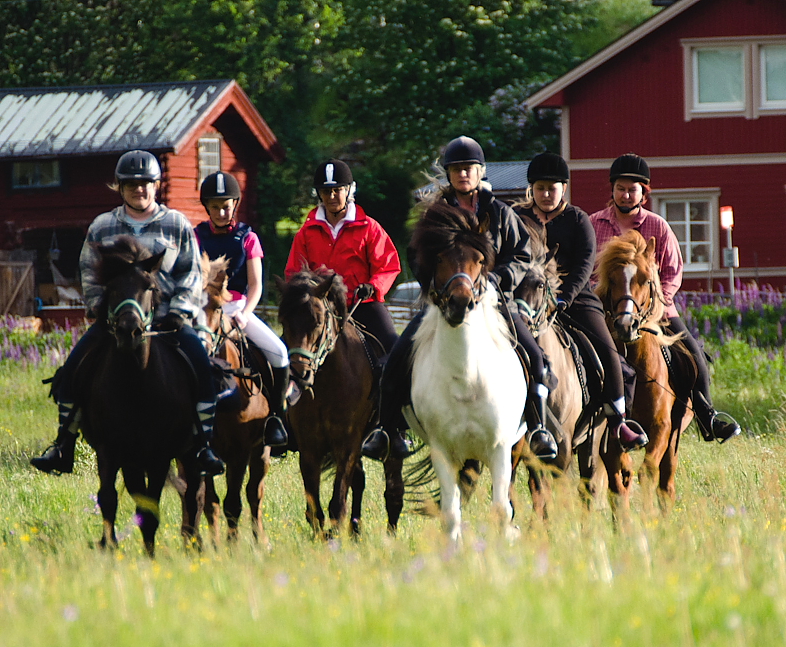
(443, 227)
(118, 257)
(299, 289)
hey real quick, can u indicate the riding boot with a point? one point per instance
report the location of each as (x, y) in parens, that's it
(58, 458)
(209, 463)
(629, 433)
(710, 426)
(541, 440)
(275, 434)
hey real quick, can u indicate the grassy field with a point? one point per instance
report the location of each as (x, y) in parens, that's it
(712, 573)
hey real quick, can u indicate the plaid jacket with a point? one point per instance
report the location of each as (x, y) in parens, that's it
(180, 277)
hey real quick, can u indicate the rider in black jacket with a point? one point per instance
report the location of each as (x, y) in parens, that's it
(464, 164)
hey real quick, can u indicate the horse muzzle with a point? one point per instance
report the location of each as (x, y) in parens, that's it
(626, 327)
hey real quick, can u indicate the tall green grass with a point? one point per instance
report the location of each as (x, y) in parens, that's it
(712, 573)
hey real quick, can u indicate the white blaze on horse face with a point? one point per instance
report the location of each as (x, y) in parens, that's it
(625, 317)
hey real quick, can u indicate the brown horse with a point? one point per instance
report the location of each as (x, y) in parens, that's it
(240, 420)
(629, 286)
(137, 396)
(575, 430)
(332, 365)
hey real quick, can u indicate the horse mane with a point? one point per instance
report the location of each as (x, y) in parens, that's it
(443, 226)
(541, 256)
(299, 288)
(626, 250)
(214, 275)
(117, 258)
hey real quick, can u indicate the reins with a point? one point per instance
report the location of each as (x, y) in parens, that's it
(641, 314)
(327, 341)
(440, 296)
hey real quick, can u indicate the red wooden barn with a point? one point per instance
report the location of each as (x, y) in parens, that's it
(699, 90)
(59, 147)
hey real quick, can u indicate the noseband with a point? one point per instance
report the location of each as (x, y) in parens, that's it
(440, 297)
(641, 313)
(325, 344)
(114, 315)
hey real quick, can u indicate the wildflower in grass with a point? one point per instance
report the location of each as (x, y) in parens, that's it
(71, 613)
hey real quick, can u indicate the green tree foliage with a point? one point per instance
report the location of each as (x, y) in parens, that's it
(417, 67)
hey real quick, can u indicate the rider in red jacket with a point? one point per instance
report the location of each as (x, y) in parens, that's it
(339, 236)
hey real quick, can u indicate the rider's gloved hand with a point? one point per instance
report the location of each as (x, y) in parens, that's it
(562, 305)
(173, 321)
(364, 291)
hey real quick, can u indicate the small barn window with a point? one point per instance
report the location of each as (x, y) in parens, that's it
(693, 217)
(39, 174)
(719, 79)
(209, 156)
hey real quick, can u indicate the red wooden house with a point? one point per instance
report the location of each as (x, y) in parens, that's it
(59, 147)
(699, 90)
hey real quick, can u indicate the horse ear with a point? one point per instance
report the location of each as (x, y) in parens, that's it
(484, 224)
(153, 263)
(280, 283)
(552, 253)
(649, 252)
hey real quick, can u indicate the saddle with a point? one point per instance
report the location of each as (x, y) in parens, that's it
(683, 374)
(254, 372)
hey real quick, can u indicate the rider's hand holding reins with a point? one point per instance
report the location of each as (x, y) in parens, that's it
(364, 291)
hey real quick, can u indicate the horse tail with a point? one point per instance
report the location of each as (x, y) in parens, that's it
(421, 488)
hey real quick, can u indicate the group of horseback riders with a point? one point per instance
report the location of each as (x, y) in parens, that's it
(338, 235)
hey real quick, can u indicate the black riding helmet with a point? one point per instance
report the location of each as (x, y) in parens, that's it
(331, 174)
(463, 150)
(219, 185)
(630, 166)
(548, 166)
(137, 165)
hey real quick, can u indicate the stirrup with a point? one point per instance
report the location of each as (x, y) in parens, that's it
(376, 445)
(545, 446)
(641, 440)
(709, 434)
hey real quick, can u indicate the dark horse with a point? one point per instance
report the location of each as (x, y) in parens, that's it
(330, 362)
(240, 420)
(629, 286)
(137, 395)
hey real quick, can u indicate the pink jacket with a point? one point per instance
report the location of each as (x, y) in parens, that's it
(667, 247)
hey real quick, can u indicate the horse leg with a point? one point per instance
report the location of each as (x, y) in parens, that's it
(358, 486)
(258, 467)
(107, 501)
(619, 470)
(449, 493)
(667, 490)
(212, 509)
(394, 492)
(233, 506)
(337, 508)
(193, 503)
(500, 490)
(655, 451)
(310, 471)
(147, 512)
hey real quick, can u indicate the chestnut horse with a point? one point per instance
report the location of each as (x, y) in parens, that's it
(332, 365)
(629, 286)
(137, 396)
(240, 419)
(468, 385)
(536, 296)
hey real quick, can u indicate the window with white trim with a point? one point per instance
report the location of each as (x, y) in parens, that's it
(693, 217)
(38, 174)
(209, 151)
(730, 77)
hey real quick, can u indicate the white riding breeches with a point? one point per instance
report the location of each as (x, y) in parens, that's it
(261, 334)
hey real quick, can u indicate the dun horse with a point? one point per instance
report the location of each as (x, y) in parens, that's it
(240, 420)
(537, 296)
(468, 386)
(629, 287)
(332, 365)
(137, 396)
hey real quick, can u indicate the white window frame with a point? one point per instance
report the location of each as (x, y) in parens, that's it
(710, 195)
(36, 183)
(754, 102)
(765, 104)
(209, 160)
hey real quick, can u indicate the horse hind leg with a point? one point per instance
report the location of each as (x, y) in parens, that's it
(358, 486)
(500, 490)
(258, 468)
(394, 492)
(233, 506)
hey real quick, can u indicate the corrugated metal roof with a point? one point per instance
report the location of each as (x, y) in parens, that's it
(66, 121)
(507, 176)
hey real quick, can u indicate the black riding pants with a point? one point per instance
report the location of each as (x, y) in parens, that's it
(702, 385)
(594, 326)
(374, 316)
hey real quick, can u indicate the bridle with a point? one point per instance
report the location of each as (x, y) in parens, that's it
(440, 297)
(326, 342)
(543, 316)
(639, 315)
